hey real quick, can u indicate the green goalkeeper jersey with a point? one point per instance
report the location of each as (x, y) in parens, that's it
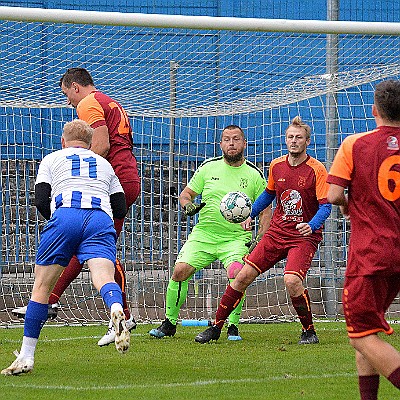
(213, 180)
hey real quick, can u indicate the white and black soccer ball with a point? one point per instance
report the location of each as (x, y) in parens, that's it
(235, 207)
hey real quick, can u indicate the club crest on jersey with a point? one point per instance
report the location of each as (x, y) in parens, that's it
(292, 203)
(302, 181)
(392, 143)
(243, 183)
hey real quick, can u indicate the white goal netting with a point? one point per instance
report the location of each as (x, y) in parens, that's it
(180, 88)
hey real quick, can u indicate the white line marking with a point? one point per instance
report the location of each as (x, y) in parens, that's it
(67, 339)
(180, 384)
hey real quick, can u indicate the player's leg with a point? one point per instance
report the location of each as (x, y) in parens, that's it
(231, 254)
(58, 241)
(35, 318)
(368, 378)
(194, 256)
(298, 263)
(175, 297)
(230, 299)
(366, 299)
(70, 273)
(119, 272)
(109, 336)
(98, 247)
(264, 256)
(234, 318)
(376, 356)
(132, 190)
(102, 272)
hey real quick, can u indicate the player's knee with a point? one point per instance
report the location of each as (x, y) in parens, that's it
(363, 342)
(233, 269)
(293, 284)
(353, 343)
(182, 271)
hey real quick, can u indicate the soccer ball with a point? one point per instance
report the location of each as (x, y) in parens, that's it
(235, 207)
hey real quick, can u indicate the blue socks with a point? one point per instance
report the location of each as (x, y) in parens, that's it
(111, 293)
(35, 318)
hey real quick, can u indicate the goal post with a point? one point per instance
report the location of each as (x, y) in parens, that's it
(181, 80)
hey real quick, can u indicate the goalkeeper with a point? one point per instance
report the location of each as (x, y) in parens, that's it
(213, 238)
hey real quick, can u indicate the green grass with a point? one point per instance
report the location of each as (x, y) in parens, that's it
(267, 364)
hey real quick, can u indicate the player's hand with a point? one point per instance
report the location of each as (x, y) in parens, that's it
(304, 229)
(247, 224)
(191, 209)
(253, 243)
(345, 212)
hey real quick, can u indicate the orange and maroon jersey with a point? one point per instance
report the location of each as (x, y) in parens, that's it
(98, 109)
(299, 191)
(369, 165)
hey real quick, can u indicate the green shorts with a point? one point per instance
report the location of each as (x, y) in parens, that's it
(200, 252)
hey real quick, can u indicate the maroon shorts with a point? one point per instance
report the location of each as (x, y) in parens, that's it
(365, 302)
(270, 250)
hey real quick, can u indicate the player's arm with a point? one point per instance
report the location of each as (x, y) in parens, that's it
(336, 195)
(101, 141)
(186, 201)
(264, 220)
(263, 201)
(43, 199)
(307, 228)
(118, 205)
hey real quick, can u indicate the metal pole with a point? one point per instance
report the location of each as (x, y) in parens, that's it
(331, 226)
(173, 66)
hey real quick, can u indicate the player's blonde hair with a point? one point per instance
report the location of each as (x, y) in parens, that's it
(298, 123)
(78, 130)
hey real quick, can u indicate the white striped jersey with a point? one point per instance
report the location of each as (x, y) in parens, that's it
(79, 178)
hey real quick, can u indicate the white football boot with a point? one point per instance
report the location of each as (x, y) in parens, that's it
(19, 366)
(122, 334)
(109, 337)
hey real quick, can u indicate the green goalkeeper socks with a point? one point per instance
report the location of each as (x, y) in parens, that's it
(176, 296)
(234, 316)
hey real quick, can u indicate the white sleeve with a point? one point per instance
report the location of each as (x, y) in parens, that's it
(44, 172)
(115, 185)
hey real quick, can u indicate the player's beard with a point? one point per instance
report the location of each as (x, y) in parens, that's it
(233, 159)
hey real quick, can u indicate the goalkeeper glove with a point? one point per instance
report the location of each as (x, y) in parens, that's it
(253, 243)
(191, 209)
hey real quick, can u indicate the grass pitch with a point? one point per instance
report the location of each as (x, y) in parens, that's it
(267, 364)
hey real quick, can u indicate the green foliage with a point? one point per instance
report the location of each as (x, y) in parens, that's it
(267, 364)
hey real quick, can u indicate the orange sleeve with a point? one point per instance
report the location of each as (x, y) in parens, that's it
(342, 165)
(271, 182)
(90, 111)
(322, 187)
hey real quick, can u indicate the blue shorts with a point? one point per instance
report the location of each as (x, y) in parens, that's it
(86, 233)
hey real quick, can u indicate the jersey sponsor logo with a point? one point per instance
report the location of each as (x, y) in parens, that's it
(392, 143)
(281, 180)
(214, 178)
(292, 205)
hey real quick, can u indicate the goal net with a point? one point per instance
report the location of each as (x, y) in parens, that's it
(180, 88)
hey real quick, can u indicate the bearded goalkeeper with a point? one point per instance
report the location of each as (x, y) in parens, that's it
(213, 238)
